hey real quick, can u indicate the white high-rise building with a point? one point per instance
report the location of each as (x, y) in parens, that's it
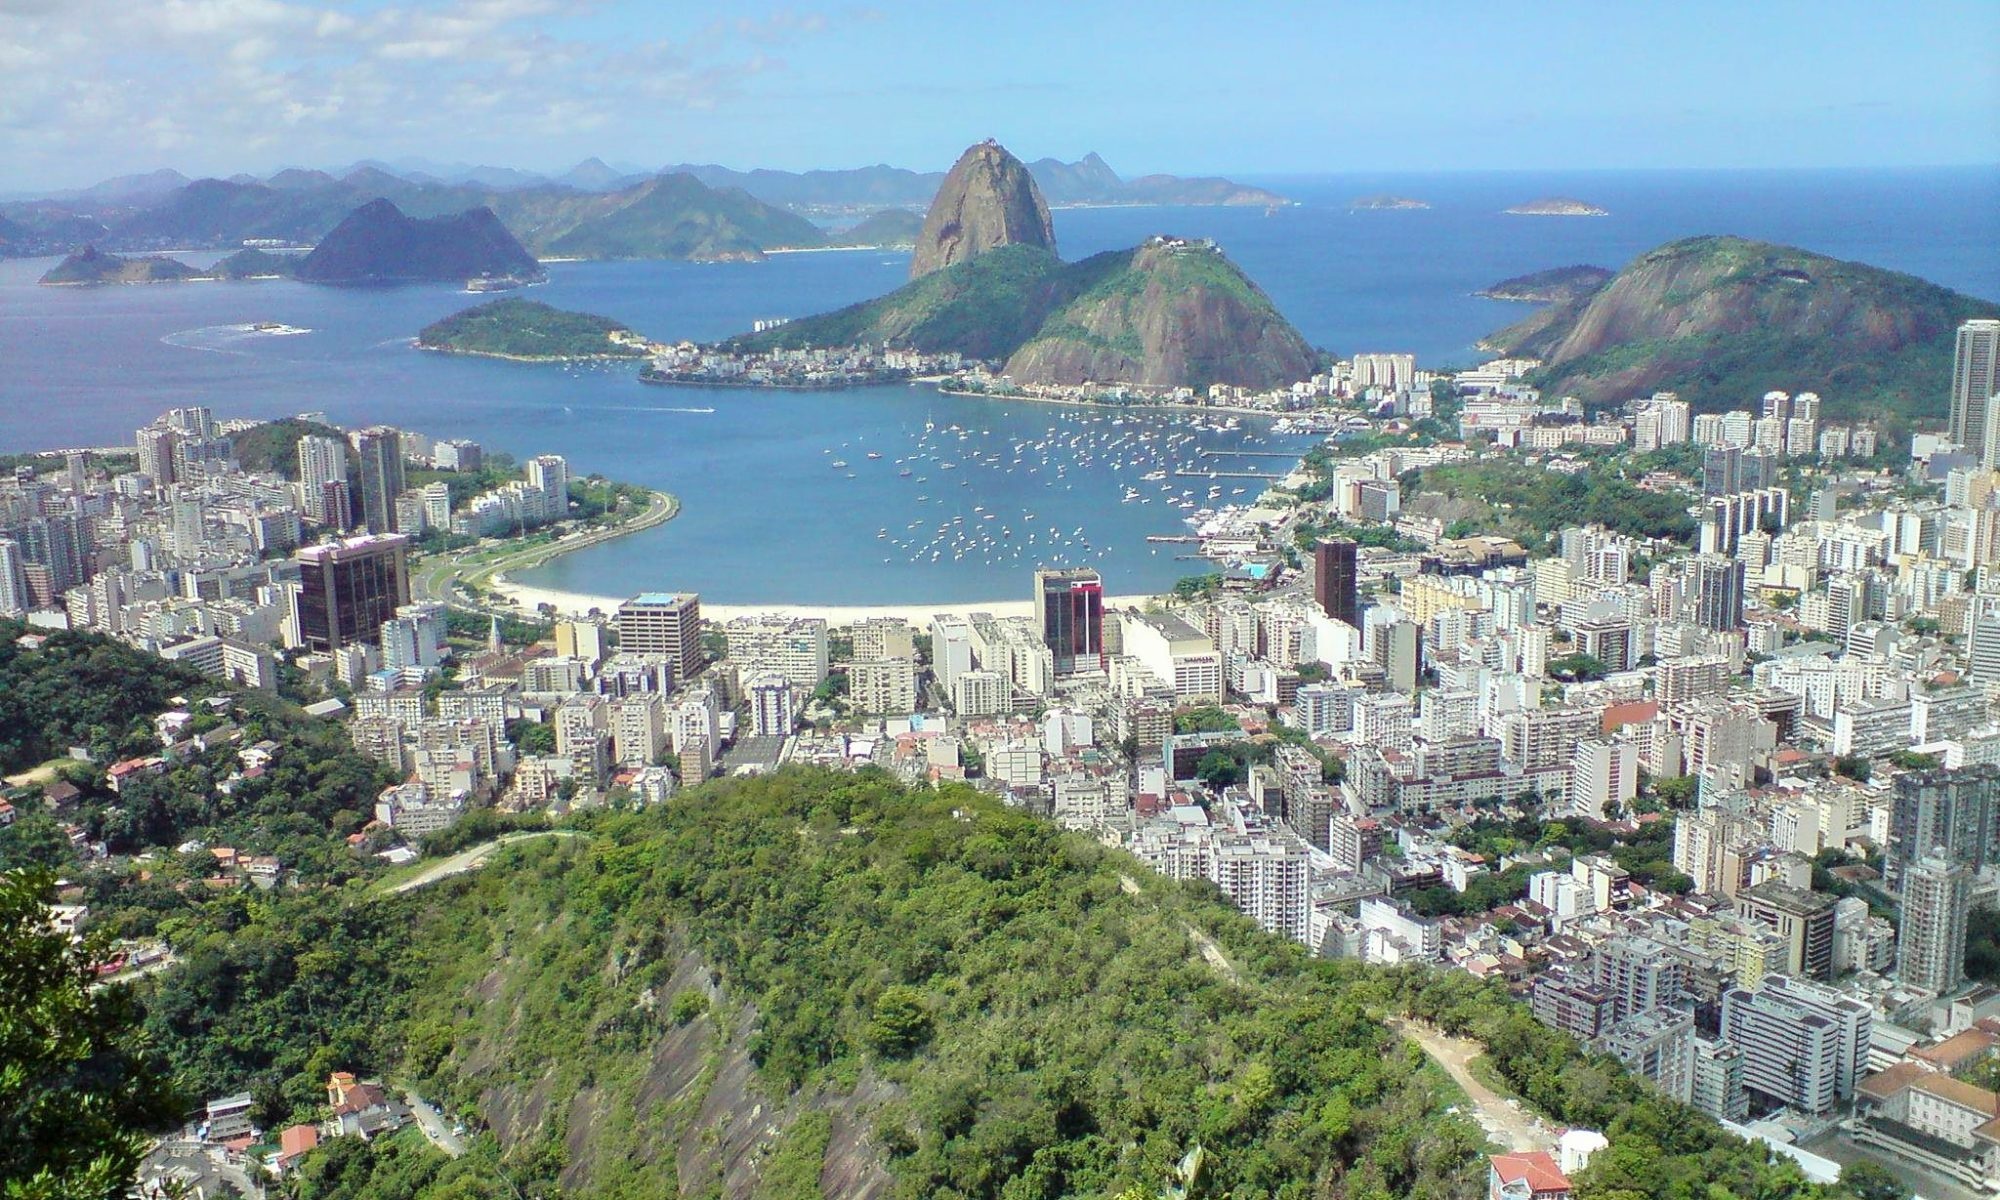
(1930, 946)
(1603, 773)
(13, 583)
(549, 474)
(1803, 1044)
(773, 707)
(323, 460)
(1975, 378)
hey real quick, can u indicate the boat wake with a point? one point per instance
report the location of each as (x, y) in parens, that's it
(225, 339)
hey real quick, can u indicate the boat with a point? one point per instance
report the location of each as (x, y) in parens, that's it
(873, 454)
(904, 474)
(839, 463)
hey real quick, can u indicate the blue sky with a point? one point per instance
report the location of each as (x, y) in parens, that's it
(99, 87)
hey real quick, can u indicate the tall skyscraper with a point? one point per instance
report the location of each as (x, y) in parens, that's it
(1721, 471)
(1718, 592)
(348, 589)
(1069, 608)
(664, 623)
(1975, 377)
(61, 544)
(1952, 813)
(13, 584)
(1930, 942)
(1334, 577)
(156, 454)
(323, 460)
(379, 450)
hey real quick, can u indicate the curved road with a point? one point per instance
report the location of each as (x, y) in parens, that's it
(437, 577)
(467, 860)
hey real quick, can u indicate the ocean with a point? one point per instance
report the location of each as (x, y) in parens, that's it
(767, 519)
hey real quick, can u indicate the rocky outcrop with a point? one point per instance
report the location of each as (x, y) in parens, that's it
(988, 200)
(377, 243)
(1172, 313)
(1721, 320)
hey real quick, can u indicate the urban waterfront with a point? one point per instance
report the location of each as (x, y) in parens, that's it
(766, 518)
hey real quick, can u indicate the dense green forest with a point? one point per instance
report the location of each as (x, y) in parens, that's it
(1524, 502)
(820, 976)
(517, 328)
(88, 691)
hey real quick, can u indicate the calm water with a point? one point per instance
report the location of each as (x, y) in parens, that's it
(767, 519)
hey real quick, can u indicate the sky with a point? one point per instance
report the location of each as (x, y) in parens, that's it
(94, 88)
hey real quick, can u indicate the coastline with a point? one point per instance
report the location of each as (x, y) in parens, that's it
(526, 358)
(581, 604)
(1156, 406)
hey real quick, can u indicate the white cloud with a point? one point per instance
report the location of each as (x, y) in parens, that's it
(219, 85)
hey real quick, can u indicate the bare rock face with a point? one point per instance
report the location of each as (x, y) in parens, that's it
(986, 201)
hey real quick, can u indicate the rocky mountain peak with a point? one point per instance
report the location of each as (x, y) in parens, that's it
(987, 200)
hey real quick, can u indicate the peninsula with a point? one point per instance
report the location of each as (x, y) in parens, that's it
(529, 331)
(90, 266)
(1557, 285)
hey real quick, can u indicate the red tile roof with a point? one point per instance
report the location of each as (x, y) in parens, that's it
(1536, 1167)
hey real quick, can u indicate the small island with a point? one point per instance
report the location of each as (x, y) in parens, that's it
(1557, 285)
(90, 267)
(529, 331)
(1558, 206)
(255, 264)
(1387, 203)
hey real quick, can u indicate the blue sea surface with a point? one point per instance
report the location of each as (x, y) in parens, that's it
(767, 519)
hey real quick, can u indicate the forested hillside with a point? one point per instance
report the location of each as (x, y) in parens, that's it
(824, 984)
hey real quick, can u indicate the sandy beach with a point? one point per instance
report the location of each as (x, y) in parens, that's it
(579, 604)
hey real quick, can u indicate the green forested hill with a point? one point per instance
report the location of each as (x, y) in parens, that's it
(1722, 320)
(824, 984)
(517, 328)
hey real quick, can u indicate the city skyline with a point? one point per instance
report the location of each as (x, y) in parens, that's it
(543, 84)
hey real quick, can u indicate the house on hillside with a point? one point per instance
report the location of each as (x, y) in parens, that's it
(1532, 1175)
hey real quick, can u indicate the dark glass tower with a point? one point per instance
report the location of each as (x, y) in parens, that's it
(1334, 578)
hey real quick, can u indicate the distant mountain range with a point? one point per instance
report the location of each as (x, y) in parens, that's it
(1722, 320)
(594, 209)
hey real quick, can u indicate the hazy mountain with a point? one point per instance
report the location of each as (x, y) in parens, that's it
(378, 243)
(890, 227)
(592, 175)
(676, 216)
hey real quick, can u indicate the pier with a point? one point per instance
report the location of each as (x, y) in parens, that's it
(1266, 477)
(1207, 452)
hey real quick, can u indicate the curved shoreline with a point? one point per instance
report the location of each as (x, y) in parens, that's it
(441, 580)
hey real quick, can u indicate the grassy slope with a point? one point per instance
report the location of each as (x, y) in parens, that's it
(986, 307)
